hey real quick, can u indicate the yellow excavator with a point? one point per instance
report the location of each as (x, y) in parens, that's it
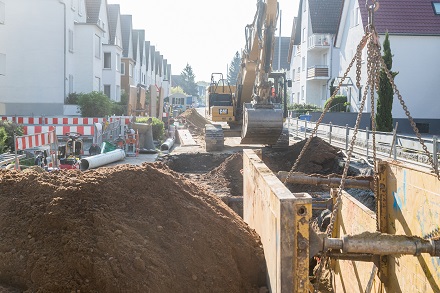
(257, 103)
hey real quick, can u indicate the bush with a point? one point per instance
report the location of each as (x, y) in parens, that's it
(7, 129)
(95, 104)
(157, 125)
(340, 100)
(72, 99)
(299, 109)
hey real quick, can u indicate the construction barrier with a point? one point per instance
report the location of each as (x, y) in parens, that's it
(36, 139)
(85, 130)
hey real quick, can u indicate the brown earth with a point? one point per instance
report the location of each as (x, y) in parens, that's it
(192, 117)
(122, 229)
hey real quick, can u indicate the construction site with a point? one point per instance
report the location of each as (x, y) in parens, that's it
(235, 200)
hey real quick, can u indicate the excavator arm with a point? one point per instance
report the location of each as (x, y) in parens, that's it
(262, 116)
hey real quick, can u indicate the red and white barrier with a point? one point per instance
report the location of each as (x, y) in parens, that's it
(24, 120)
(35, 140)
(72, 121)
(85, 130)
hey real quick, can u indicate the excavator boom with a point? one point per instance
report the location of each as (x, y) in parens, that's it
(256, 98)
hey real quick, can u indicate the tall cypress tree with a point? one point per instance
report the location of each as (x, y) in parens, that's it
(234, 68)
(384, 118)
(188, 85)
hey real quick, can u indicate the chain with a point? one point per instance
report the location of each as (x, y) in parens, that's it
(408, 114)
(434, 234)
(373, 71)
(329, 231)
(315, 129)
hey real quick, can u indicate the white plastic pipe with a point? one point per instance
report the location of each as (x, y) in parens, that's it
(101, 159)
(167, 145)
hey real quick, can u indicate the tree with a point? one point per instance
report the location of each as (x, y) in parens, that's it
(384, 118)
(177, 90)
(188, 81)
(234, 69)
(95, 104)
(7, 130)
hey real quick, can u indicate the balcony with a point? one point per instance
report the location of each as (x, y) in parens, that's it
(319, 42)
(317, 72)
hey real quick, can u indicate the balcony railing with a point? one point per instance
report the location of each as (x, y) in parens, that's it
(319, 41)
(318, 71)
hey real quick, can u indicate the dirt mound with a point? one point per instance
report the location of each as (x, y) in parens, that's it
(122, 229)
(229, 174)
(320, 158)
(193, 117)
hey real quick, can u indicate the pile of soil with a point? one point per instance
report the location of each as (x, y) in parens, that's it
(319, 158)
(193, 117)
(122, 229)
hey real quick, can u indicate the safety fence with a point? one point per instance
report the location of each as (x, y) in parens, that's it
(89, 127)
(388, 145)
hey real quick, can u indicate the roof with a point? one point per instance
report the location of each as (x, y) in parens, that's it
(113, 13)
(147, 53)
(141, 42)
(297, 26)
(93, 7)
(413, 17)
(285, 42)
(135, 40)
(153, 58)
(324, 15)
(126, 27)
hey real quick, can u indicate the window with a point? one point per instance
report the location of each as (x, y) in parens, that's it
(71, 84)
(97, 46)
(436, 6)
(2, 64)
(2, 12)
(118, 62)
(122, 68)
(303, 63)
(107, 60)
(360, 94)
(107, 90)
(71, 40)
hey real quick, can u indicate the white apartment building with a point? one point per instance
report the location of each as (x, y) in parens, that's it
(314, 59)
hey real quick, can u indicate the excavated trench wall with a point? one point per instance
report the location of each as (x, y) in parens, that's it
(413, 205)
(282, 221)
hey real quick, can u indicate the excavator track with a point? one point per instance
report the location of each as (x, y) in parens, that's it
(214, 138)
(262, 124)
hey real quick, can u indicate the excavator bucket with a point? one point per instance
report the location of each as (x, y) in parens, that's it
(262, 124)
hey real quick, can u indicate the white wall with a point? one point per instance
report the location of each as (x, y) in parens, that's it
(34, 62)
(417, 59)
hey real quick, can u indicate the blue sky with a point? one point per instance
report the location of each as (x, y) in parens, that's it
(203, 33)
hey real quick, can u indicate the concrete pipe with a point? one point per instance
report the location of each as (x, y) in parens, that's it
(101, 159)
(167, 145)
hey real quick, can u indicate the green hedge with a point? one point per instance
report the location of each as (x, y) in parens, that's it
(337, 100)
(157, 125)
